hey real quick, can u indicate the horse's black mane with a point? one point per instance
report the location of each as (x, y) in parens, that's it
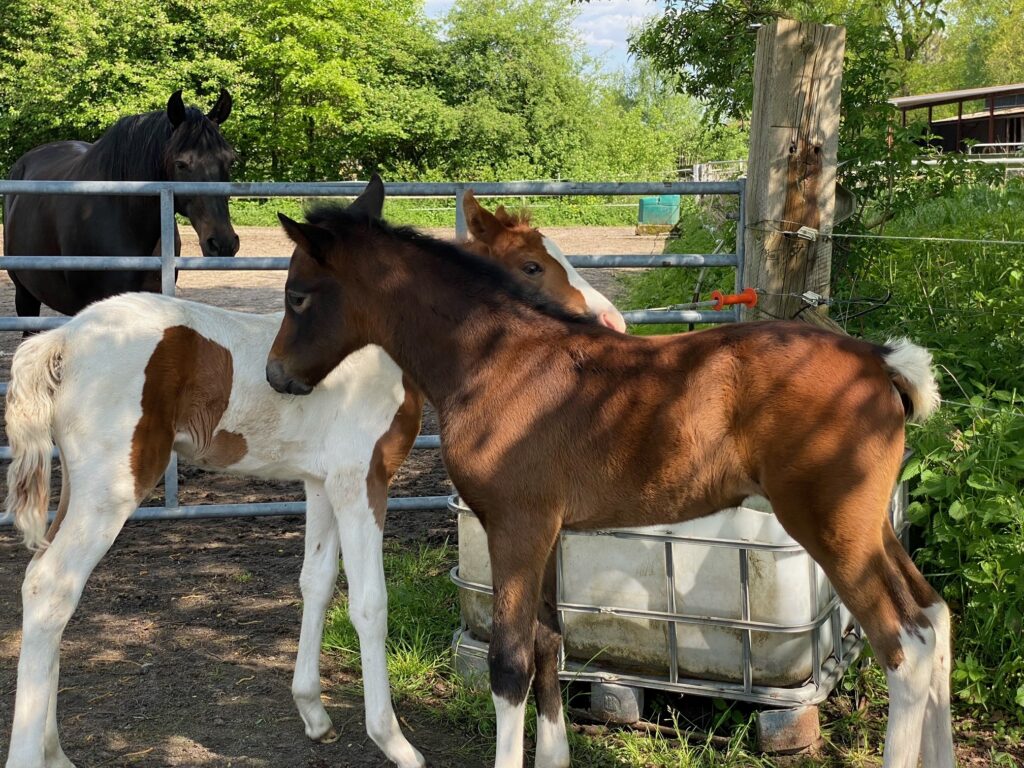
(492, 278)
(136, 148)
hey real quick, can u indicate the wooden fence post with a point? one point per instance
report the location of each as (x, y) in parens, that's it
(791, 170)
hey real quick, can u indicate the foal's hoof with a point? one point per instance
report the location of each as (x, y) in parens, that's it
(330, 737)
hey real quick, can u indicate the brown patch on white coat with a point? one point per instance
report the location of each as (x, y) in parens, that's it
(186, 390)
(391, 449)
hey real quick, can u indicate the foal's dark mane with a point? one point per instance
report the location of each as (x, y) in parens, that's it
(483, 277)
(138, 147)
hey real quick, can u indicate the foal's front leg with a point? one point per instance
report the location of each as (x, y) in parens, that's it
(552, 742)
(519, 553)
(362, 551)
(318, 580)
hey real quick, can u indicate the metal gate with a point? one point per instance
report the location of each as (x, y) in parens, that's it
(167, 263)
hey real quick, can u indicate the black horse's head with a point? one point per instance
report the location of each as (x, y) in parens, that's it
(197, 151)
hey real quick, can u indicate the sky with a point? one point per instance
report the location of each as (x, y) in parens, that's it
(603, 25)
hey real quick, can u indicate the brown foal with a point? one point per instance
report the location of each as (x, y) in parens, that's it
(550, 421)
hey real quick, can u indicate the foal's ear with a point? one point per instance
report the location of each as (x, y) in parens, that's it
(482, 223)
(371, 199)
(176, 109)
(314, 240)
(222, 108)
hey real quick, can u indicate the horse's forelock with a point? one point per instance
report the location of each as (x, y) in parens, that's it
(197, 132)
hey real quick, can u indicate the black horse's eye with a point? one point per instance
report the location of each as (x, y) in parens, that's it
(297, 301)
(181, 165)
(532, 268)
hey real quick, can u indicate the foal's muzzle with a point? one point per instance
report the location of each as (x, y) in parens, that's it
(281, 381)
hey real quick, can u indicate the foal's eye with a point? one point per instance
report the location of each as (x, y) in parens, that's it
(297, 301)
(181, 165)
(532, 268)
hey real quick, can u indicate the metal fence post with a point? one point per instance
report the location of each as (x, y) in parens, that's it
(461, 228)
(167, 254)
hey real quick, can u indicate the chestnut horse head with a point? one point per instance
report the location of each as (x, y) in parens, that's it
(510, 240)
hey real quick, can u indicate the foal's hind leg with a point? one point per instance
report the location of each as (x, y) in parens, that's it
(51, 741)
(362, 551)
(937, 734)
(552, 743)
(103, 499)
(845, 530)
(318, 580)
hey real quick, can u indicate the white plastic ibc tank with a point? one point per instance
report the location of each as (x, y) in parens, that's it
(787, 589)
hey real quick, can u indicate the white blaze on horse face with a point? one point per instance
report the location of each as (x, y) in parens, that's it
(597, 303)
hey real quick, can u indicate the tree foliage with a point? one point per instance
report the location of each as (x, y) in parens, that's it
(337, 88)
(709, 45)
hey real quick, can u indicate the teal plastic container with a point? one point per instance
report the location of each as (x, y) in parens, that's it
(661, 210)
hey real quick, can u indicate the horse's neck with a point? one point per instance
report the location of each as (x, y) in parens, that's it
(442, 338)
(106, 161)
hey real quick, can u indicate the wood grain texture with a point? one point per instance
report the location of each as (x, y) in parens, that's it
(791, 173)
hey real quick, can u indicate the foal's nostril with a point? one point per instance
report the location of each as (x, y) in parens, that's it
(234, 245)
(212, 246)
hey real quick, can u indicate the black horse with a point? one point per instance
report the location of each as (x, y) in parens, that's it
(179, 144)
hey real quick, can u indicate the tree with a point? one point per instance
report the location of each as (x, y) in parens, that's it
(709, 45)
(69, 68)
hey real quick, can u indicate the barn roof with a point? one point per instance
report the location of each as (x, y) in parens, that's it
(952, 97)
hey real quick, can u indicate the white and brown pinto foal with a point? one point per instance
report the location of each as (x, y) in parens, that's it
(133, 376)
(549, 421)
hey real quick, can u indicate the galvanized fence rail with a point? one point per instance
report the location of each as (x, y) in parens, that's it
(168, 263)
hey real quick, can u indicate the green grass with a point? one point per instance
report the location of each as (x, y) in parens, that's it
(440, 212)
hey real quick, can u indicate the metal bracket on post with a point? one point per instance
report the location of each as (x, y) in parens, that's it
(461, 227)
(167, 255)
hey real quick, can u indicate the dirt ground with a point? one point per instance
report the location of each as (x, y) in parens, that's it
(181, 651)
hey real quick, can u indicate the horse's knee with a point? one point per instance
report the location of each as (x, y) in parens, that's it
(511, 669)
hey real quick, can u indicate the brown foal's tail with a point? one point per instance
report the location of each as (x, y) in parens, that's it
(910, 368)
(35, 375)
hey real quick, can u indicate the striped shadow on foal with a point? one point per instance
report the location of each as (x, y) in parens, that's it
(550, 421)
(192, 378)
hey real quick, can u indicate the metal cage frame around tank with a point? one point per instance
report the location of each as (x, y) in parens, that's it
(168, 263)
(825, 672)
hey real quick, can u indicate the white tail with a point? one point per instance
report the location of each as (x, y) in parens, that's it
(911, 369)
(35, 376)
